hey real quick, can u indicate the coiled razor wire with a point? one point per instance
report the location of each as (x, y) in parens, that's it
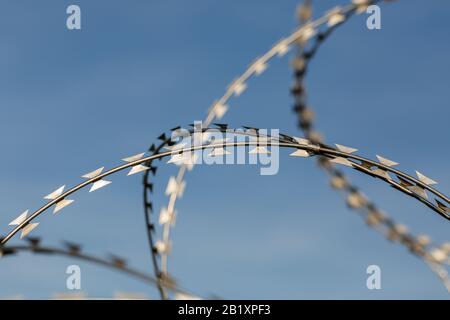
(416, 188)
(182, 153)
(342, 155)
(354, 198)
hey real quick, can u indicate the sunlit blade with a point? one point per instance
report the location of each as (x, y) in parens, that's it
(186, 158)
(298, 63)
(343, 161)
(137, 169)
(134, 158)
(99, 184)
(62, 204)
(238, 88)
(176, 158)
(282, 48)
(423, 239)
(55, 194)
(27, 229)
(356, 200)
(304, 11)
(205, 136)
(259, 150)
(166, 216)
(425, 179)
(335, 18)
(338, 182)
(300, 153)
(386, 162)
(345, 149)
(162, 248)
(19, 219)
(189, 166)
(439, 255)
(260, 66)
(308, 33)
(220, 110)
(361, 5)
(93, 174)
(174, 187)
(190, 162)
(216, 152)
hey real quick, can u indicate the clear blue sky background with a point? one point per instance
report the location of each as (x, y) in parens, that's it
(72, 101)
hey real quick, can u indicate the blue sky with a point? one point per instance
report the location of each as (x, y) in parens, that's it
(72, 101)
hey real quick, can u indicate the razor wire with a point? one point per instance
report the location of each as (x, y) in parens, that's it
(416, 188)
(375, 218)
(96, 179)
(342, 155)
(180, 154)
(238, 86)
(436, 258)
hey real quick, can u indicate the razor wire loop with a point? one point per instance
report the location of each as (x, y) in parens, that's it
(332, 154)
(238, 86)
(375, 218)
(136, 163)
(58, 197)
(332, 19)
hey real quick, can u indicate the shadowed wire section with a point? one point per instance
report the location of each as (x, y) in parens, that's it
(438, 257)
(73, 250)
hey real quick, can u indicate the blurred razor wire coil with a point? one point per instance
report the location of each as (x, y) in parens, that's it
(308, 38)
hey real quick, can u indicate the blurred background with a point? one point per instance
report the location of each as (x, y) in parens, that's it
(73, 101)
